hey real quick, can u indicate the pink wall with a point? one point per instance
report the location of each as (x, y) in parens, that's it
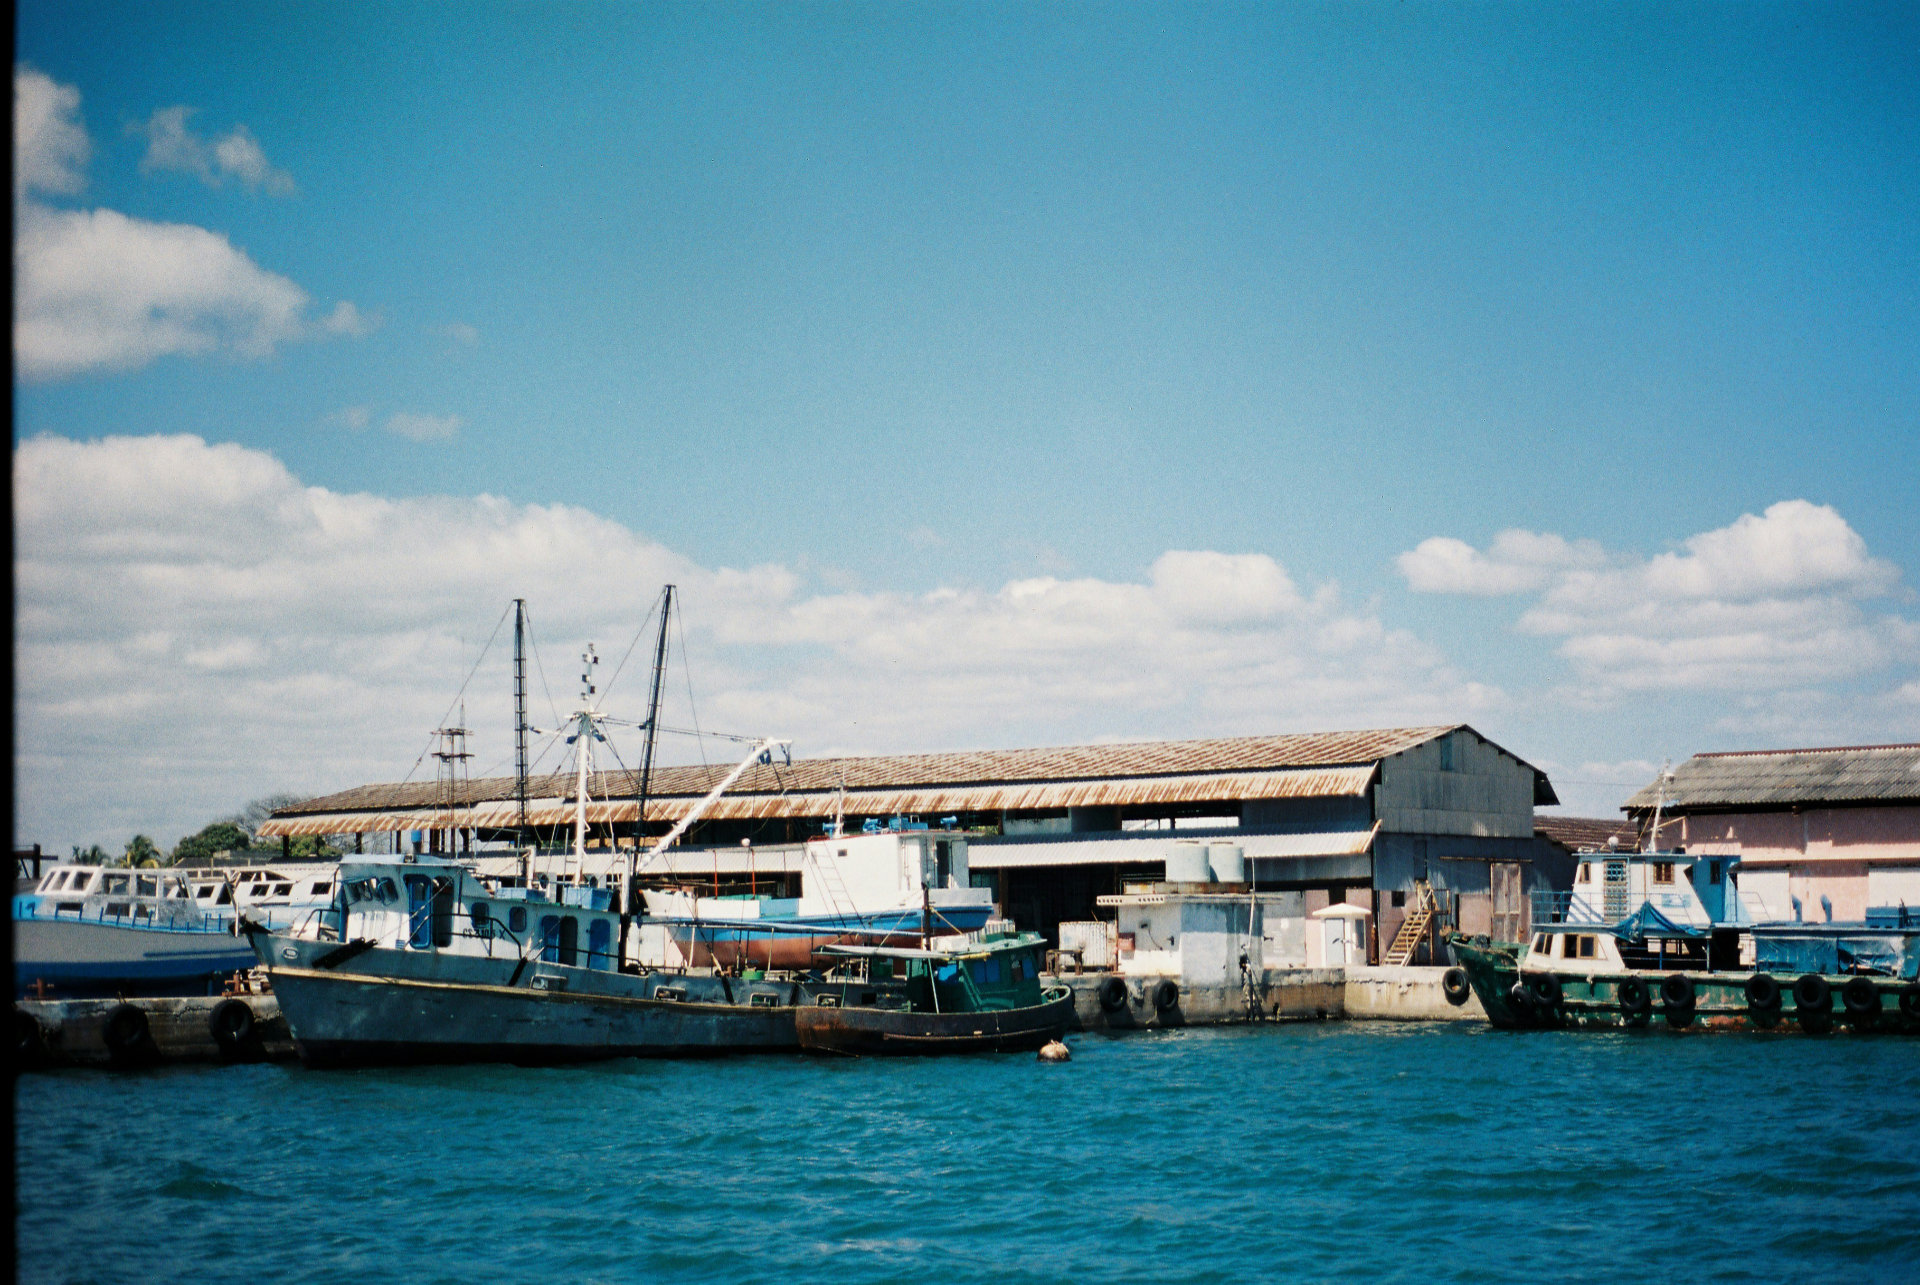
(1846, 835)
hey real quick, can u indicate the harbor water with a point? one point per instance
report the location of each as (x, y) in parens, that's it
(1331, 1151)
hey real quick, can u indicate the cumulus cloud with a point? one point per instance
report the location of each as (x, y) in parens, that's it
(98, 290)
(1770, 601)
(196, 627)
(50, 145)
(172, 145)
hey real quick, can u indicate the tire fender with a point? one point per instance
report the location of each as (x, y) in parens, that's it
(1454, 985)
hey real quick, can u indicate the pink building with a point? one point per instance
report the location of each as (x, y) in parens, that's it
(1822, 834)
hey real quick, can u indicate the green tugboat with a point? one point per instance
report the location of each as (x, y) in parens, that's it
(983, 997)
(1637, 939)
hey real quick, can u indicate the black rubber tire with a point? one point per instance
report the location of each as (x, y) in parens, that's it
(1763, 991)
(29, 1038)
(1112, 995)
(1679, 1017)
(126, 1030)
(1676, 992)
(1764, 1019)
(1910, 1000)
(1454, 985)
(1547, 992)
(1521, 997)
(1633, 998)
(231, 1023)
(1811, 991)
(1815, 1021)
(1166, 994)
(1860, 996)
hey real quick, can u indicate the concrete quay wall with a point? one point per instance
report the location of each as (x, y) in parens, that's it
(1362, 994)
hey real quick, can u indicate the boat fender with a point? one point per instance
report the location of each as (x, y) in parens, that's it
(1112, 995)
(29, 1040)
(231, 1023)
(1165, 995)
(1762, 991)
(1055, 1051)
(126, 1030)
(1910, 1000)
(1811, 991)
(1520, 997)
(1676, 991)
(1546, 989)
(1860, 997)
(1454, 985)
(1633, 997)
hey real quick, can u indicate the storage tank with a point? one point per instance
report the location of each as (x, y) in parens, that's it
(1229, 862)
(1187, 862)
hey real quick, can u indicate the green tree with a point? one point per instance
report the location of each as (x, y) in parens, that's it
(142, 852)
(221, 836)
(93, 856)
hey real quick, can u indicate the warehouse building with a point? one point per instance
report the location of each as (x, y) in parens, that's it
(1821, 834)
(1363, 818)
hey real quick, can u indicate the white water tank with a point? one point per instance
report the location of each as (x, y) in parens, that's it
(1229, 862)
(1187, 862)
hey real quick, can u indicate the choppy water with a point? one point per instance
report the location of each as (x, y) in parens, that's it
(1339, 1151)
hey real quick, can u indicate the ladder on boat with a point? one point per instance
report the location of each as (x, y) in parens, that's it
(1414, 927)
(833, 888)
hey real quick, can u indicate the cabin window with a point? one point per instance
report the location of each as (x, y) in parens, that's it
(570, 941)
(1586, 873)
(599, 939)
(942, 862)
(59, 880)
(1567, 946)
(146, 886)
(283, 890)
(550, 938)
(1542, 944)
(1586, 947)
(1713, 872)
(67, 907)
(319, 889)
(117, 885)
(986, 971)
(118, 908)
(481, 919)
(1663, 872)
(517, 918)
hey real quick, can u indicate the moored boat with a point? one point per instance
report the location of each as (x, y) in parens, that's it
(984, 996)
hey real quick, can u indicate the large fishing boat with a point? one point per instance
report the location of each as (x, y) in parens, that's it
(87, 931)
(984, 996)
(1668, 934)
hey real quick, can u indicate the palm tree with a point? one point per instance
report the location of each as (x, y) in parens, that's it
(93, 856)
(142, 852)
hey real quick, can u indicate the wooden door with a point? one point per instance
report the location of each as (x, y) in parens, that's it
(1509, 904)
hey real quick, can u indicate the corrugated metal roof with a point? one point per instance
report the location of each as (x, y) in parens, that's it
(812, 805)
(1587, 832)
(1781, 778)
(1144, 772)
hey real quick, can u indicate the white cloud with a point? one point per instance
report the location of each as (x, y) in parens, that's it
(423, 428)
(355, 418)
(346, 319)
(1768, 602)
(195, 627)
(50, 145)
(171, 145)
(1517, 562)
(98, 290)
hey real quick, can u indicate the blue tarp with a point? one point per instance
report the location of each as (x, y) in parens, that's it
(1648, 922)
(1819, 948)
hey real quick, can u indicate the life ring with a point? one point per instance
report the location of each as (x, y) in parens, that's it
(1546, 989)
(1165, 995)
(1635, 1004)
(1762, 991)
(1676, 991)
(29, 1038)
(1860, 997)
(1810, 991)
(1112, 995)
(126, 1030)
(1454, 985)
(231, 1023)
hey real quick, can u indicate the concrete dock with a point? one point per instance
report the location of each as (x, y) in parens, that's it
(1113, 1001)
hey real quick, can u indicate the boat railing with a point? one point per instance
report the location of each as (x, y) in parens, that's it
(1565, 908)
(145, 915)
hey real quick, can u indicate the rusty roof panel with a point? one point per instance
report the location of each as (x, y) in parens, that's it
(1010, 768)
(1782, 778)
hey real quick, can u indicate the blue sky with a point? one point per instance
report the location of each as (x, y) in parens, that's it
(893, 301)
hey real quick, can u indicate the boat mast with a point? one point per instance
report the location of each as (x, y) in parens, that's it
(520, 716)
(646, 754)
(1659, 803)
(584, 732)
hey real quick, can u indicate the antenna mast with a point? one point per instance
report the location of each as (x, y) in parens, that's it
(653, 727)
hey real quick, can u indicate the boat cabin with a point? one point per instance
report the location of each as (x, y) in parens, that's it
(998, 973)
